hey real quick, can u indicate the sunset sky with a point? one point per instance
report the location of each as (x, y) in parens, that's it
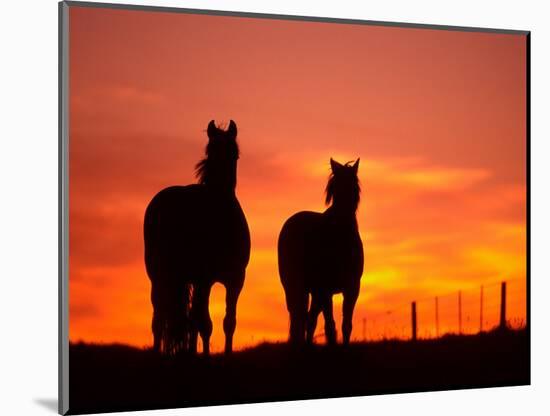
(437, 117)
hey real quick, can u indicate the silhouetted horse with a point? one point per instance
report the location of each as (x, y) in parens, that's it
(322, 254)
(197, 235)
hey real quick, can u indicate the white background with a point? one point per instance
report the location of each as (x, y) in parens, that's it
(28, 204)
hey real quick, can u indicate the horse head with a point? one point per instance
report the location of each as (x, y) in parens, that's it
(219, 167)
(343, 189)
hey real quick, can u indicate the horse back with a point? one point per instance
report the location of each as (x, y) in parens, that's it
(320, 253)
(293, 249)
(192, 231)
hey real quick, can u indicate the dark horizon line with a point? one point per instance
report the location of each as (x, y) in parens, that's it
(274, 16)
(145, 348)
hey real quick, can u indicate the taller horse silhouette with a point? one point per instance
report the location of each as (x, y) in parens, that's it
(322, 254)
(197, 235)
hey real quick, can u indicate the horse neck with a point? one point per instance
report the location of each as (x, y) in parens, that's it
(221, 181)
(220, 191)
(342, 216)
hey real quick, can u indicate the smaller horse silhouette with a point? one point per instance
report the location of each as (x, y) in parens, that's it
(321, 254)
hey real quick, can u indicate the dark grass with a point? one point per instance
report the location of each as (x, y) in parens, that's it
(107, 378)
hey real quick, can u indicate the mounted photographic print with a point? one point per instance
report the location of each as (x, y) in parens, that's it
(259, 208)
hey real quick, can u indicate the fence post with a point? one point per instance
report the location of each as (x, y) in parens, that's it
(413, 313)
(436, 317)
(503, 305)
(481, 310)
(459, 312)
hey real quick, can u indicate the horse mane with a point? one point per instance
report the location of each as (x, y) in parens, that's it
(201, 170)
(331, 185)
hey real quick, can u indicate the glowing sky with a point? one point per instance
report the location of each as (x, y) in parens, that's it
(437, 117)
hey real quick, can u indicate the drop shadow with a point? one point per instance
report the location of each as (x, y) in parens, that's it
(50, 404)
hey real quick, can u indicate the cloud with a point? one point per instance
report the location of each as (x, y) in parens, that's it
(81, 310)
(125, 94)
(412, 173)
(103, 236)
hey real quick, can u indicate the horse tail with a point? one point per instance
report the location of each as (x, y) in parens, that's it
(171, 296)
(171, 318)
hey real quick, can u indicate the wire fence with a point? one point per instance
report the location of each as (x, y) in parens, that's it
(471, 311)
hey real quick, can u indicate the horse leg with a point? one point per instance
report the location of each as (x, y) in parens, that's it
(204, 320)
(232, 292)
(350, 297)
(314, 311)
(297, 308)
(330, 326)
(157, 331)
(157, 322)
(195, 318)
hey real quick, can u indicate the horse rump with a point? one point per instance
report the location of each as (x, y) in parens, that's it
(293, 269)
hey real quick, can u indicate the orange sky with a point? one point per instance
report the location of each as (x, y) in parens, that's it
(437, 117)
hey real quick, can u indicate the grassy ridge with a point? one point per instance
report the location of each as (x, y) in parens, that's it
(116, 377)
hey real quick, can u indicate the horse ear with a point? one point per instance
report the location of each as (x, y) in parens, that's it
(232, 130)
(335, 166)
(212, 130)
(356, 165)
